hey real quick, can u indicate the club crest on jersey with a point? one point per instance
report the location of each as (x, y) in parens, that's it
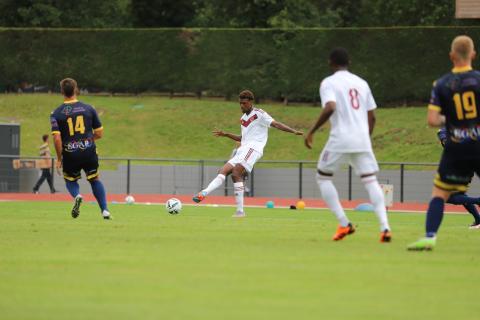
(246, 123)
(67, 110)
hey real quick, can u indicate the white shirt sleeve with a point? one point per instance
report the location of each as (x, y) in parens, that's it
(327, 93)
(371, 105)
(266, 119)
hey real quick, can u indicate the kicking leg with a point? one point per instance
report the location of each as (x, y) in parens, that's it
(215, 183)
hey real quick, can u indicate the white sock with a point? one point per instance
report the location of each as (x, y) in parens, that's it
(105, 213)
(378, 201)
(330, 196)
(239, 190)
(217, 182)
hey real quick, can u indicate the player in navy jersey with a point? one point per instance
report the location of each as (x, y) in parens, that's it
(454, 103)
(461, 198)
(75, 127)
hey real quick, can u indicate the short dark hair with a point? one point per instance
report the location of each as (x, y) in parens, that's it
(339, 57)
(246, 94)
(45, 137)
(69, 87)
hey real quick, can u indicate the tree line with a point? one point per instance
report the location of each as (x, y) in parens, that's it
(228, 14)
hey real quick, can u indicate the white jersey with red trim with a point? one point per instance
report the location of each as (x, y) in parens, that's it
(349, 130)
(255, 129)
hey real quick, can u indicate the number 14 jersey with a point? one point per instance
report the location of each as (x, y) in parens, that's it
(349, 132)
(75, 121)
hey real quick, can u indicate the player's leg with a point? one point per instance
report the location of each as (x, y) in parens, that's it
(215, 183)
(91, 170)
(238, 188)
(469, 205)
(71, 174)
(462, 198)
(366, 167)
(327, 165)
(453, 175)
(247, 158)
(472, 209)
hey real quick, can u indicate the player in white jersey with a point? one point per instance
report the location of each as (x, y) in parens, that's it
(349, 105)
(254, 128)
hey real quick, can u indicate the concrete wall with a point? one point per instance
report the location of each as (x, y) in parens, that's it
(268, 181)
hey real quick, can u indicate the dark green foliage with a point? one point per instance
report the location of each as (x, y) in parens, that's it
(399, 63)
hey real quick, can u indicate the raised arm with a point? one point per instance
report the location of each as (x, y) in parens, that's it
(284, 127)
(324, 116)
(220, 133)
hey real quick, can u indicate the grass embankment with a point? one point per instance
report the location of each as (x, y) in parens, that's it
(181, 128)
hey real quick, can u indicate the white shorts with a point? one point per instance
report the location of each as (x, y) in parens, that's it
(245, 156)
(362, 162)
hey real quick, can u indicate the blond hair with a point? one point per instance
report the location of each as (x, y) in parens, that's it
(463, 47)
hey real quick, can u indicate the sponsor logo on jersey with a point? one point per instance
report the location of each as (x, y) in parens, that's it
(76, 145)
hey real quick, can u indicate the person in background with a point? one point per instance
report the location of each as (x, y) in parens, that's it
(46, 173)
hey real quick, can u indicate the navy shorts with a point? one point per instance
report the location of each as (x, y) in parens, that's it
(74, 163)
(457, 166)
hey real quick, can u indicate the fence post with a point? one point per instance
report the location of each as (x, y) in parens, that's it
(202, 173)
(53, 172)
(252, 184)
(300, 180)
(128, 176)
(402, 174)
(349, 183)
(226, 187)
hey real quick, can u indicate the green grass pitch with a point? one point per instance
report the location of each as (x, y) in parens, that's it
(203, 264)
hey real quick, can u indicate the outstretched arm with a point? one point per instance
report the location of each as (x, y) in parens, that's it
(324, 116)
(284, 127)
(220, 133)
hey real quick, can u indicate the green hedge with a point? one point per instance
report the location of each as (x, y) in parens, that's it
(399, 63)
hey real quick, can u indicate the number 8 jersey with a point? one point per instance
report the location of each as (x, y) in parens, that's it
(349, 130)
(76, 122)
(456, 95)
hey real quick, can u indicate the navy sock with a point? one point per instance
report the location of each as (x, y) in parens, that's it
(434, 216)
(462, 198)
(73, 188)
(99, 193)
(473, 211)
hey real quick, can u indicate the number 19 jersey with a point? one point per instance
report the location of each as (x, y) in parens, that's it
(456, 95)
(349, 130)
(75, 121)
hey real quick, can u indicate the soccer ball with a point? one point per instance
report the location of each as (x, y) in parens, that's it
(173, 206)
(129, 199)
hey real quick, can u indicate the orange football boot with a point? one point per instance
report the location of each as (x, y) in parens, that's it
(386, 236)
(342, 232)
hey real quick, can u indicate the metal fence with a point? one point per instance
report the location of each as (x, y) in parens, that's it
(292, 179)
